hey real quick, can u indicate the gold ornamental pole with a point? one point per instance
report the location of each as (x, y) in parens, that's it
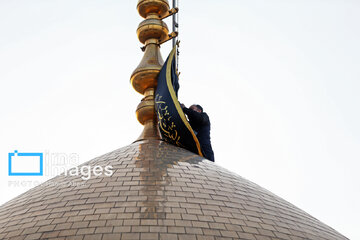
(152, 32)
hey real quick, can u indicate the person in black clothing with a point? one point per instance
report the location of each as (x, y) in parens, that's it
(200, 123)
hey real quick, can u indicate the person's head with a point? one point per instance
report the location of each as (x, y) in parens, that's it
(196, 108)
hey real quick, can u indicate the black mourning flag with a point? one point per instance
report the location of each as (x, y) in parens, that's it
(173, 125)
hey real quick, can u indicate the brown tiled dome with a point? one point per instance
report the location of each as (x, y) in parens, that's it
(158, 191)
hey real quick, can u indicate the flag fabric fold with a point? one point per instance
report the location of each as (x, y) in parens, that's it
(173, 125)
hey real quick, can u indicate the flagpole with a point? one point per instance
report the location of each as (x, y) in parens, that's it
(174, 23)
(175, 29)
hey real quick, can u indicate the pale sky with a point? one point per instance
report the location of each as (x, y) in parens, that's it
(279, 80)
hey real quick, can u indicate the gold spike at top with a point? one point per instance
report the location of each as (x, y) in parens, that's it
(151, 32)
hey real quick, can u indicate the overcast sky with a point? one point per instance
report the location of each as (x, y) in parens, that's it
(279, 80)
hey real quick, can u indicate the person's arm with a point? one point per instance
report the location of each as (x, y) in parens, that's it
(199, 118)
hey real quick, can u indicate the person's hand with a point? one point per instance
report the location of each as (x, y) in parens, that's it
(182, 105)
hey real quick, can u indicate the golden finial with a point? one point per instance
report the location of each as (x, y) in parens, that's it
(152, 32)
